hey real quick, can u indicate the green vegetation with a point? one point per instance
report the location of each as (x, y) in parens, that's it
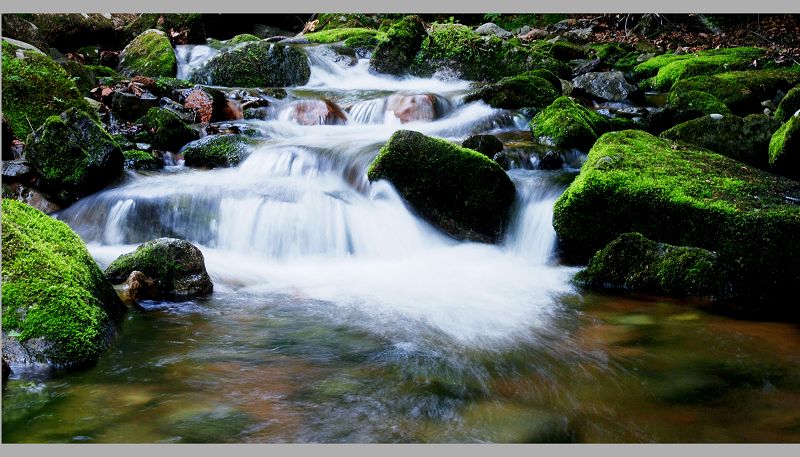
(609, 52)
(696, 100)
(784, 149)
(149, 54)
(789, 105)
(666, 69)
(516, 21)
(561, 50)
(395, 52)
(86, 76)
(461, 191)
(243, 38)
(217, 151)
(259, 64)
(53, 289)
(341, 34)
(142, 160)
(34, 88)
(167, 130)
(567, 124)
(190, 24)
(521, 91)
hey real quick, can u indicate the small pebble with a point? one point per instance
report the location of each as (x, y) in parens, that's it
(716, 116)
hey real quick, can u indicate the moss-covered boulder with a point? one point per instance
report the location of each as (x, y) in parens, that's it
(567, 124)
(635, 182)
(142, 160)
(243, 38)
(149, 54)
(341, 34)
(166, 130)
(742, 91)
(697, 101)
(176, 266)
(256, 64)
(744, 139)
(68, 32)
(217, 151)
(74, 155)
(86, 77)
(784, 149)
(34, 88)
(789, 105)
(18, 28)
(461, 191)
(561, 49)
(395, 53)
(634, 263)
(58, 307)
(475, 57)
(514, 92)
(666, 69)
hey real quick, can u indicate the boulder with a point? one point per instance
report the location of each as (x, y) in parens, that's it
(635, 182)
(567, 124)
(243, 38)
(256, 64)
(166, 129)
(744, 139)
(69, 32)
(208, 105)
(130, 106)
(34, 88)
(176, 266)
(665, 70)
(459, 190)
(149, 54)
(58, 309)
(789, 105)
(515, 92)
(22, 30)
(550, 160)
(74, 155)
(314, 112)
(410, 108)
(487, 145)
(632, 262)
(605, 85)
(784, 149)
(142, 160)
(490, 28)
(395, 53)
(140, 287)
(217, 151)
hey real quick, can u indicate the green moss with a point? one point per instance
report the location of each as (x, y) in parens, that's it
(91, 54)
(34, 88)
(243, 38)
(86, 76)
(53, 289)
(166, 130)
(259, 64)
(609, 52)
(697, 101)
(788, 105)
(635, 182)
(628, 61)
(328, 21)
(521, 91)
(567, 124)
(632, 262)
(340, 34)
(149, 54)
(395, 53)
(142, 160)
(561, 50)
(364, 41)
(166, 86)
(217, 151)
(667, 69)
(784, 149)
(461, 191)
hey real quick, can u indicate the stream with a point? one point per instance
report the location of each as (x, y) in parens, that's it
(339, 315)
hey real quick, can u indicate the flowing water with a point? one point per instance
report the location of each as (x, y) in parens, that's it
(338, 315)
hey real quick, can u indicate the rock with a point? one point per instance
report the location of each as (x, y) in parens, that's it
(743, 139)
(490, 28)
(696, 103)
(140, 287)
(182, 28)
(422, 107)
(551, 160)
(583, 66)
(58, 309)
(208, 105)
(395, 54)
(314, 112)
(328, 36)
(149, 54)
(20, 29)
(8, 139)
(487, 145)
(74, 155)
(17, 171)
(634, 263)
(784, 149)
(566, 124)
(606, 85)
(534, 34)
(666, 69)
(561, 49)
(167, 130)
(6, 368)
(69, 32)
(461, 191)
(35, 87)
(256, 64)
(217, 151)
(243, 38)
(142, 160)
(789, 105)
(579, 35)
(129, 106)
(176, 266)
(635, 182)
(24, 193)
(522, 91)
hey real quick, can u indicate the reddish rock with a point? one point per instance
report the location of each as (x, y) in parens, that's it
(210, 105)
(141, 287)
(315, 112)
(410, 108)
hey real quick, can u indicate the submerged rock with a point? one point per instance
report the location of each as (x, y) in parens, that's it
(149, 54)
(176, 266)
(606, 85)
(217, 151)
(58, 308)
(256, 64)
(395, 53)
(461, 191)
(522, 91)
(784, 149)
(487, 145)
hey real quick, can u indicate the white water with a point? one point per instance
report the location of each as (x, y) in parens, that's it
(299, 217)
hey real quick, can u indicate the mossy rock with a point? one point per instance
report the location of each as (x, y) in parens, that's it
(74, 155)
(149, 54)
(23, 30)
(68, 32)
(364, 42)
(634, 263)
(57, 306)
(166, 130)
(395, 53)
(567, 124)
(86, 76)
(741, 91)
(667, 69)
(329, 21)
(609, 52)
(217, 151)
(514, 92)
(561, 50)
(480, 58)
(243, 38)
(743, 139)
(789, 105)
(340, 34)
(189, 25)
(176, 266)
(628, 61)
(635, 182)
(142, 160)
(256, 64)
(34, 88)
(697, 101)
(784, 149)
(459, 190)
